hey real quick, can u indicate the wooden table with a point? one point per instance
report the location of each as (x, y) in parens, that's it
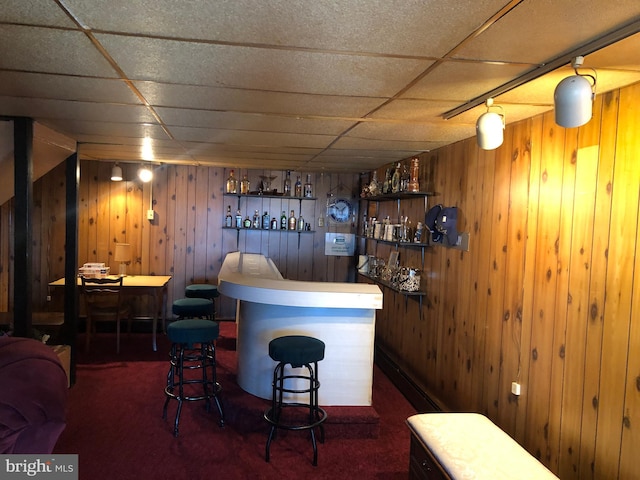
(153, 285)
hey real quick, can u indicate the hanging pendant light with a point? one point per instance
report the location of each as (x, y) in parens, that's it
(573, 98)
(490, 128)
(116, 173)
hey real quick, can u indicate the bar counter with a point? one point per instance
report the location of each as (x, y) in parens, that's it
(342, 315)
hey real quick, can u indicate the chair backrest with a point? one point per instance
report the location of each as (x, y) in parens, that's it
(102, 293)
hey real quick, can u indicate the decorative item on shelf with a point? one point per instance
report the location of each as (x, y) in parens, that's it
(228, 219)
(386, 185)
(573, 97)
(238, 219)
(405, 178)
(122, 254)
(395, 179)
(490, 127)
(414, 183)
(374, 187)
(267, 181)
(409, 279)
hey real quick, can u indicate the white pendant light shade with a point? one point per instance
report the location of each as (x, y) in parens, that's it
(573, 99)
(116, 173)
(490, 128)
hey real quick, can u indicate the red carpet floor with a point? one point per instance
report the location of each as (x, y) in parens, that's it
(115, 425)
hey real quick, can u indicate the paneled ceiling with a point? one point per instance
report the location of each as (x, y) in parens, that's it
(336, 85)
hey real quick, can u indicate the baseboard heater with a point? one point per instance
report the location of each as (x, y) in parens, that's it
(413, 393)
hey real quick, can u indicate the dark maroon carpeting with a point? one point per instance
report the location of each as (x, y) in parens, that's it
(115, 425)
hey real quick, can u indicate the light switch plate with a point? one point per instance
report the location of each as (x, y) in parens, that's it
(151, 214)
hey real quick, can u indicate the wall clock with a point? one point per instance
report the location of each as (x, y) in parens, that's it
(340, 211)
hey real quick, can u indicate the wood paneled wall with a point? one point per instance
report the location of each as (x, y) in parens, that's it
(548, 294)
(185, 239)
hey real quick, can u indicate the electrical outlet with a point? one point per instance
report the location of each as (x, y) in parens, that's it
(515, 388)
(151, 214)
(48, 298)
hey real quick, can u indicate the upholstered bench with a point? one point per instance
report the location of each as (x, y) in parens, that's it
(456, 446)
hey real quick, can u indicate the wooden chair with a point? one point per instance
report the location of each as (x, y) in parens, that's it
(104, 302)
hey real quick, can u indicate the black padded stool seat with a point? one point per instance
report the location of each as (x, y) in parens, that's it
(193, 308)
(201, 290)
(297, 351)
(192, 349)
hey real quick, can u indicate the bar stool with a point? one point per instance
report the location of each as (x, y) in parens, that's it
(193, 308)
(201, 290)
(297, 351)
(192, 349)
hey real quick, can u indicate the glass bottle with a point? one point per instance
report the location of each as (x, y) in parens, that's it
(386, 185)
(266, 221)
(238, 219)
(232, 183)
(274, 223)
(292, 221)
(300, 223)
(256, 219)
(414, 185)
(298, 187)
(405, 178)
(228, 219)
(395, 179)
(283, 221)
(287, 184)
(247, 222)
(308, 189)
(244, 185)
(374, 188)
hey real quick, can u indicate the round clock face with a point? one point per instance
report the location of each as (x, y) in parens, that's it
(340, 211)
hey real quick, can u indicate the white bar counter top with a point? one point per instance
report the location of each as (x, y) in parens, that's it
(342, 315)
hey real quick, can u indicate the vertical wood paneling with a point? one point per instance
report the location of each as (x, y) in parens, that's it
(618, 299)
(578, 294)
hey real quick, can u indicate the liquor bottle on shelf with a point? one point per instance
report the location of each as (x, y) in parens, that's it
(298, 187)
(300, 223)
(232, 183)
(274, 223)
(395, 179)
(287, 184)
(247, 222)
(256, 219)
(244, 185)
(308, 188)
(405, 178)
(292, 221)
(238, 219)
(414, 185)
(266, 221)
(228, 219)
(387, 181)
(374, 188)
(283, 221)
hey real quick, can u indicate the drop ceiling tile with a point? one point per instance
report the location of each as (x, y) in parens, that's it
(260, 68)
(68, 110)
(462, 81)
(50, 50)
(622, 55)
(419, 132)
(413, 110)
(418, 28)
(34, 12)
(357, 143)
(259, 101)
(61, 87)
(251, 121)
(239, 137)
(254, 150)
(537, 31)
(101, 132)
